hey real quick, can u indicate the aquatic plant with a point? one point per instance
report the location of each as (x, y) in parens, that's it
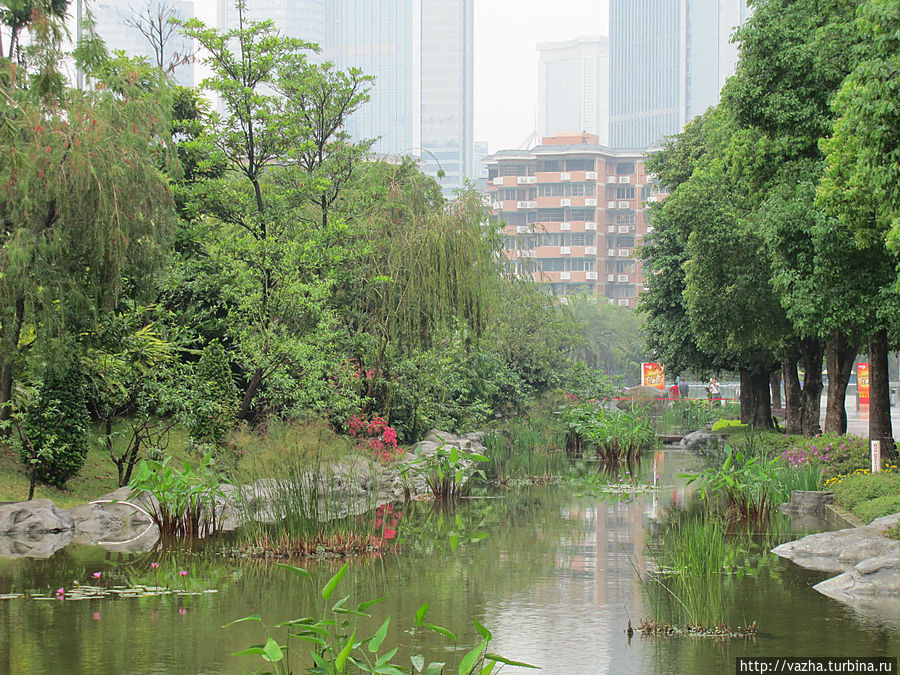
(187, 502)
(526, 450)
(614, 436)
(335, 641)
(447, 470)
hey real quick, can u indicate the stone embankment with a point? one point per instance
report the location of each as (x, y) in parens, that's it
(119, 522)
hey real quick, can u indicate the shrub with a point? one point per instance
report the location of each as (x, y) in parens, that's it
(838, 454)
(216, 399)
(377, 437)
(851, 491)
(614, 435)
(875, 508)
(54, 432)
(723, 424)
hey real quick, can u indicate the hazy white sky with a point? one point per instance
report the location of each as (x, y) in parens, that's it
(507, 33)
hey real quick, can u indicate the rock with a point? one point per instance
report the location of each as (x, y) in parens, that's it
(840, 550)
(872, 578)
(643, 397)
(35, 517)
(33, 545)
(112, 523)
(697, 440)
(806, 501)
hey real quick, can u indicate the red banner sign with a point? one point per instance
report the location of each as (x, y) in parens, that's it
(862, 382)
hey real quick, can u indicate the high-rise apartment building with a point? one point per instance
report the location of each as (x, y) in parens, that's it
(115, 23)
(573, 87)
(668, 61)
(573, 212)
(420, 53)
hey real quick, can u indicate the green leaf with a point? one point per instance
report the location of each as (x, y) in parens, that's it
(435, 668)
(363, 606)
(341, 661)
(249, 650)
(334, 581)
(296, 570)
(469, 660)
(440, 630)
(484, 632)
(509, 662)
(384, 658)
(418, 662)
(252, 617)
(378, 638)
(272, 651)
(420, 614)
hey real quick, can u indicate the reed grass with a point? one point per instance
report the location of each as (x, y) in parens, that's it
(528, 449)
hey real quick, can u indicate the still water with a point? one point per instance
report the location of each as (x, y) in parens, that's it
(553, 572)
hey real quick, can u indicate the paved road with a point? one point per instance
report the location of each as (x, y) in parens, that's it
(858, 420)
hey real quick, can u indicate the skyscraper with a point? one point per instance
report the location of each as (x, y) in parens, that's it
(668, 62)
(420, 53)
(573, 87)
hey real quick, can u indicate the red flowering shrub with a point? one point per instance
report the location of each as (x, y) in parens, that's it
(377, 436)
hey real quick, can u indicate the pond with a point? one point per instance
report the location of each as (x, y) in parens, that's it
(552, 571)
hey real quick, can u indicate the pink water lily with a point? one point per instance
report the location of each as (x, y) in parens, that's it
(182, 573)
(154, 565)
(97, 575)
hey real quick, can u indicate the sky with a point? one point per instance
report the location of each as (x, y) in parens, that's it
(507, 33)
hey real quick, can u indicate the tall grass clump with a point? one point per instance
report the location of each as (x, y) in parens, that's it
(612, 436)
(691, 414)
(525, 449)
(303, 493)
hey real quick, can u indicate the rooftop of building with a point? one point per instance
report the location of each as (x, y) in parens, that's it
(564, 144)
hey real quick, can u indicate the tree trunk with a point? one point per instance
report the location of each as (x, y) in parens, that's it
(791, 394)
(249, 393)
(759, 401)
(840, 355)
(10, 350)
(746, 386)
(775, 387)
(812, 353)
(880, 395)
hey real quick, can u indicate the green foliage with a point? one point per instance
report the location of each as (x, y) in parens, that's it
(723, 424)
(856, 490)
(448, 472)
(877, 507)
(526, 448)
(614, 436)
(837, 454)
(336, 645)
(216, 396)
(187, 502)
(54, 438)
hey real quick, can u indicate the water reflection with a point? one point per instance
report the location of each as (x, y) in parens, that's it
(553, 574)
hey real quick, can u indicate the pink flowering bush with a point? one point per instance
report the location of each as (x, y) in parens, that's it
(836, 454)
(376, 435)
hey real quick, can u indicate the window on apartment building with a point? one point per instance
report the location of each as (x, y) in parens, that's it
(625, 168)
(527, 243)
(580, 189)
(581, 264)
(531, 216)
(550, 190)
(582, 239)
(624, 291)
(514, 219)
(625, 217)
(586, 214)
(625, 192)
(513, 169)
(549, 165)
(624, 266)
(645, 193)
(506, 194)
(625, 242)
(579, 164)
(509, 243)
(493, 172)
(551, 264)
(550, 215)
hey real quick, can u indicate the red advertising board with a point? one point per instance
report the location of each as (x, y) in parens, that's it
(862, 382)
(653, 375)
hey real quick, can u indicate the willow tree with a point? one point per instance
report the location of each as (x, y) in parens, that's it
(82, 201)
(431, 267)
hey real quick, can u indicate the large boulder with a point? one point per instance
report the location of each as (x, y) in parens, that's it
(698, 440)
(643, 397)
(840, 550)
(875, 577)
(37, 516)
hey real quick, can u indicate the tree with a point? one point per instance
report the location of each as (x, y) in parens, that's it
(18, 15)
(279, 269)
(154, 20)
(82, 200)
